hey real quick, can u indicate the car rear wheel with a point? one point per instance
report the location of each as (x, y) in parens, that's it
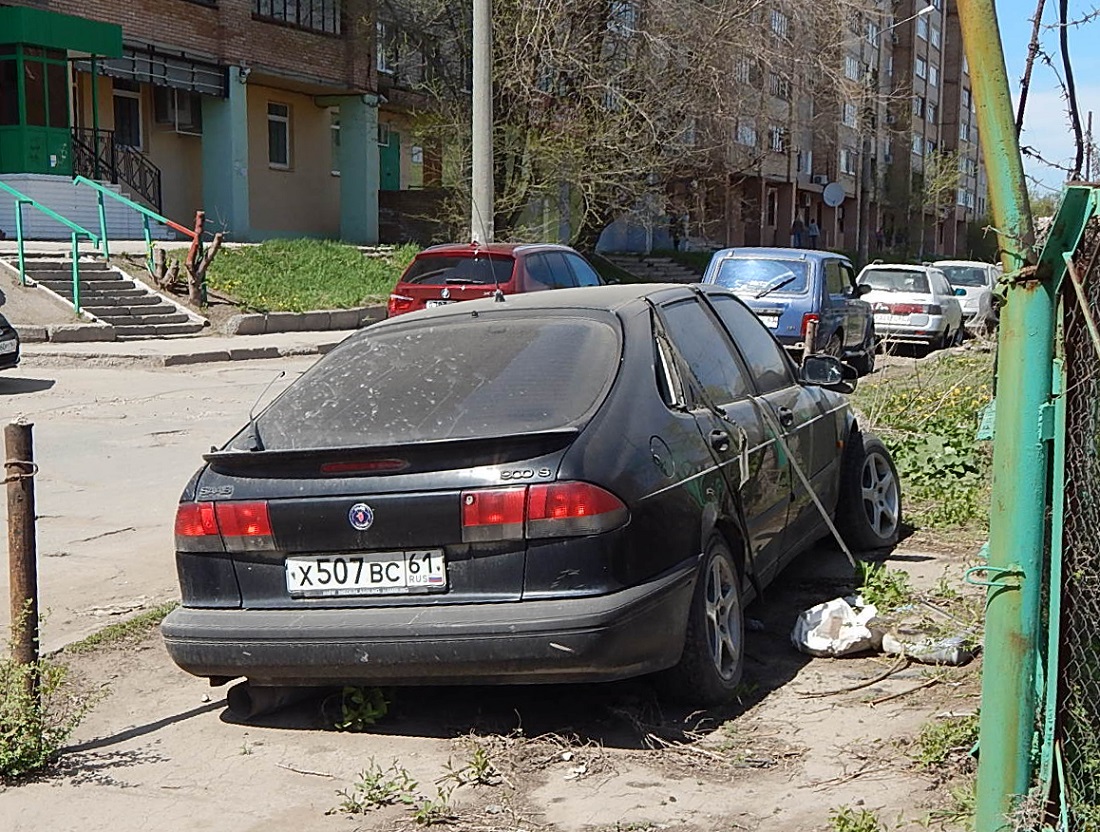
(834, 346)
(869, 508)
(710, 667)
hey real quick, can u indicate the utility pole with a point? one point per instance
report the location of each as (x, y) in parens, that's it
(481, 186)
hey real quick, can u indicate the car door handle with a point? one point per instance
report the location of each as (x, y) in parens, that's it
(786, 416)
(720, 441)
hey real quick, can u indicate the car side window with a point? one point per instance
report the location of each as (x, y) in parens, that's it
(834, 278)
(767, 362)
(561, 277)
(538, 272)
(940, 283)
(711, 360)
(584, 273)
(848, 276)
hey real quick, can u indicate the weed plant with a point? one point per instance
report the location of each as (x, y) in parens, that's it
(38, 711)
(847, 819)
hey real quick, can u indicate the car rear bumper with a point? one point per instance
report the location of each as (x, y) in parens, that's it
(930, 333)
(627, 633)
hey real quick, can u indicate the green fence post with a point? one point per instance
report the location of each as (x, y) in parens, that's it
(103, 227)
(148, 241)
(19, 242)
(76, 275)
(1017, 534)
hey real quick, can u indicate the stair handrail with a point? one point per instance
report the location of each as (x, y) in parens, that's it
(146, 215)
(22, 199)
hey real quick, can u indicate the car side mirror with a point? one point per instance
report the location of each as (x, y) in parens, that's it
(863, 289)
(829, 372)
(960, 293)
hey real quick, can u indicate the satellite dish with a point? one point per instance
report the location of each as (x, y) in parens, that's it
(833, 194)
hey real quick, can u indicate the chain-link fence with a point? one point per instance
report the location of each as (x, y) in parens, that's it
(1079, 659)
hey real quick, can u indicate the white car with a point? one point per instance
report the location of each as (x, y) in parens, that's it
(913, 304)
(977, 280)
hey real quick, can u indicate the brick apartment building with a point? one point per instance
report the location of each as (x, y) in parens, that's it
(264, 113)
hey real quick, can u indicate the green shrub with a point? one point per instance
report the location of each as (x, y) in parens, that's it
(34, 728)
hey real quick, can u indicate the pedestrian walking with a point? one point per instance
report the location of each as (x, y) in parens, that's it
(797, 229)
(813, 232)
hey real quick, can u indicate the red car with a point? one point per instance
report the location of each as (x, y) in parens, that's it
(448, 273)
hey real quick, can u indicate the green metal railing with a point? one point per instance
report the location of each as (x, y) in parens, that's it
(21, 199)
(147, 214)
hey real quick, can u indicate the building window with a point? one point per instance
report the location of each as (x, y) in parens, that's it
(623, 19)
(847, 161)
(334, 135)
(849, 116)
(933, 76)
(930, 111)
(929, 147)
(922, 28)
(805, 161)
(316, 15)
(742, 71)
(851, 67)
(887, 151)
(746, 132)
(777, 139)
(872, 33)
(935, 37)
(918, 144)
(779, 86)
(920, 68)
(278, 135)
(780, 24)
(889, 68)
(383, 134)
(964, 131)
(918, 106)
(384, 48)
(127, 111)
(966, 99)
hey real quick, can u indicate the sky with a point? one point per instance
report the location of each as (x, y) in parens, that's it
(1046, 123)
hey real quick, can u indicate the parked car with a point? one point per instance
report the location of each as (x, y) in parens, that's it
(788, 288)
(9, 345)
(913, 304)
(581, 485)
(977, 281)
(441, 275)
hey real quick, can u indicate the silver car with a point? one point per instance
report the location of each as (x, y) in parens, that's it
(977, 281)
(913, 304)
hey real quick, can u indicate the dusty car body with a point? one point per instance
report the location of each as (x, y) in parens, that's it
(581, 485)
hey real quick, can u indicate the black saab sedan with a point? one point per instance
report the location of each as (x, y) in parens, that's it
(579, 485)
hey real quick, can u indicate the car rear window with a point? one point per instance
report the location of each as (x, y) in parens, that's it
(757, 276)
(965, 275)
(439, 269)
(896, 280)
(460, 378)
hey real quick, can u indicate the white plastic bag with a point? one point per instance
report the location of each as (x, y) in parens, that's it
(835, 628)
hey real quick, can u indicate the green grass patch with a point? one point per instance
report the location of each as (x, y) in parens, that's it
(300, 275)
(130, 631)
(848, 819)
(886, 588)
(946, 742)
(928, 418)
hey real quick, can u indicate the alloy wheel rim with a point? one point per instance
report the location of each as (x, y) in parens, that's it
(723, 615)
(881, 497)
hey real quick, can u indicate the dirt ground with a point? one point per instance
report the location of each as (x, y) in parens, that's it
(161, 750)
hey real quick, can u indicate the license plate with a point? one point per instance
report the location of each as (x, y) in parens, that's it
(376, 573)
(431, 304)
(770, 321)
(891, 319)
(7, 347)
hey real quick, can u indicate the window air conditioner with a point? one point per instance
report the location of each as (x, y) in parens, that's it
(819, 179)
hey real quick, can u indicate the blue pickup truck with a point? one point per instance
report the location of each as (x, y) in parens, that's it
(788, 288)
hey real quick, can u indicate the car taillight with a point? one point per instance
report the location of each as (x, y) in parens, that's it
(916, 309)
(398, 304)
(223, 527)
(569, 509)
(493, 514)
(560, 509)
(933, 309)
(807, 319)
(245, 527)
(197, 528)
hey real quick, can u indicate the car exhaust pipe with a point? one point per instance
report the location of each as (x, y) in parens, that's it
(247, 701)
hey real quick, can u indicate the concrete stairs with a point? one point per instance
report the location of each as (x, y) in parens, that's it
(109, 294)
(654, 269)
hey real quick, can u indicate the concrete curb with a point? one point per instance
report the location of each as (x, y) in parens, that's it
(320, 320)
(66, 358)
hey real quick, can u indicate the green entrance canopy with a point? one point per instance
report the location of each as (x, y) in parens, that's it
(37, 27)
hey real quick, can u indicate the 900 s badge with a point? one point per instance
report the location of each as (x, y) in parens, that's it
(525, 474)
(361, 516)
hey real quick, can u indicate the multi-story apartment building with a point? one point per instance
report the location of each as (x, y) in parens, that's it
(264, 113)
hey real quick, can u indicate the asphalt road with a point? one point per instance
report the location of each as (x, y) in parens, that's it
(115, 448)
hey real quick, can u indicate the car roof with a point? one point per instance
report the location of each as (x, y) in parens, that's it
(492, 248)
(899, 267)
(963, 263)
(586, 298)
(809, 254)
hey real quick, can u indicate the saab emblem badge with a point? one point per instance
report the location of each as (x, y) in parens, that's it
(361, 516)
(446, 293)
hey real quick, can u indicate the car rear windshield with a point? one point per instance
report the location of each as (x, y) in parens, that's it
(965, 275)
(459, 378)
(757, 276)
(439, 269)
(896, 280)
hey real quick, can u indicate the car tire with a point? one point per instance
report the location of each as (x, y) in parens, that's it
(834, 346)
(868, 514)
(864, 362)
(709, 671)
(960, 336)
